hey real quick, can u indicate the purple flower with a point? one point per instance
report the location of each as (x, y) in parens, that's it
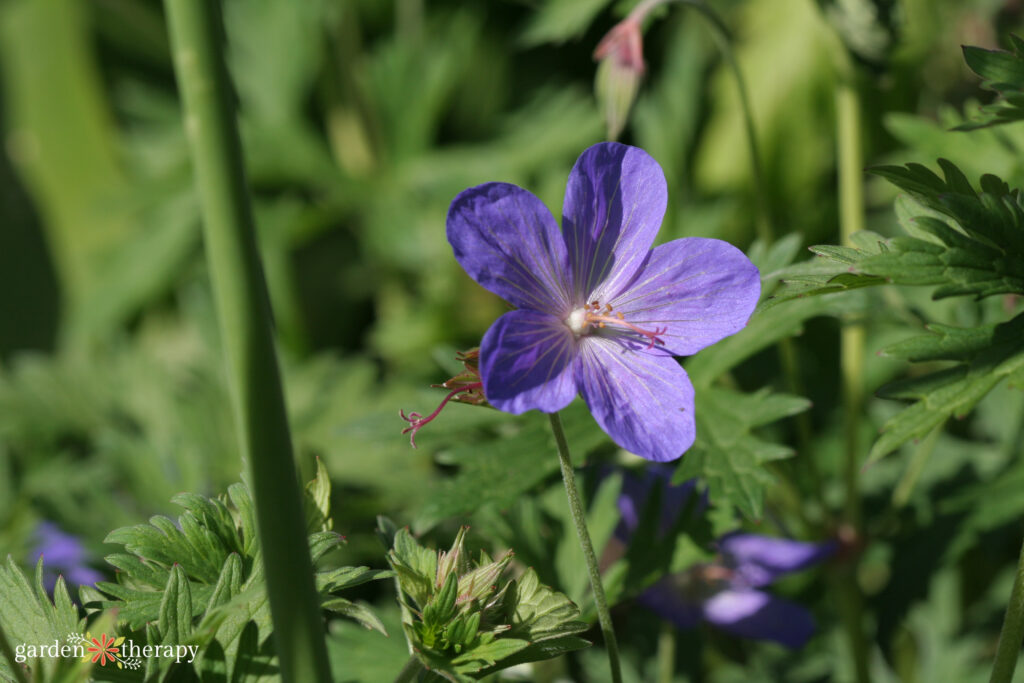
(725, 592)
(63, 554)
(599, 312)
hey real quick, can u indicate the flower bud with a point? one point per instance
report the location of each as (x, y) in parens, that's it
(620, 67)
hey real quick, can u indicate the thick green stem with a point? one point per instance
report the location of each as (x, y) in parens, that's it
(1013, 630)
(243, 309)
(410, 671)
(604, 617)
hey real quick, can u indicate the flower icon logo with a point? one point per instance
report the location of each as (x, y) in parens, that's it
(103, 649)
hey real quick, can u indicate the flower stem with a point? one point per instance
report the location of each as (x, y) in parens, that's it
(1013, 630)
(851, 220)
(666, 653)
(410, 671)
(580, 521)
(243, 311)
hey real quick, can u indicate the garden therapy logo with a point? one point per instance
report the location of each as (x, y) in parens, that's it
(125, 654)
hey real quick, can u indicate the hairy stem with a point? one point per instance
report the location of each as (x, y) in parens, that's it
(244, 317)
(579, 520)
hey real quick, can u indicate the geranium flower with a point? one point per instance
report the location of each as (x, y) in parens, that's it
(62, 554)
(725, 592)
(599, 312)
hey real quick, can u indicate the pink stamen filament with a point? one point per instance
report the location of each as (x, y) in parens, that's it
(416, 421)
(602, 320)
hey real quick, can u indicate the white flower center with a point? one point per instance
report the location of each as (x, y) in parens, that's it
(577, 321)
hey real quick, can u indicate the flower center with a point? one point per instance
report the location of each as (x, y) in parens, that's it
(595, 316)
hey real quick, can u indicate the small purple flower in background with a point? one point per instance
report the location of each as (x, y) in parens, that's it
(600, 313)
(725, 592)
(64, 555)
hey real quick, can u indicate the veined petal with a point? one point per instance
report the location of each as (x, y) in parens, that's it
(759, 560)
(508, 241)
(753, 614)
(526, 363)
(614, 204)
(643, 401)
(700, 290)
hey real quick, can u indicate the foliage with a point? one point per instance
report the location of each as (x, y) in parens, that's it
(360, 122)
(461, 624)
(961, 241)
(200, 581)
(1003, 73)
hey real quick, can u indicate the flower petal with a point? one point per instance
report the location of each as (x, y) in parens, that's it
(759, 560)
(642, 400)
(753, 614)
(667, 602)
(614, 204)
(508, 241)
(526, 363)
(701, 290)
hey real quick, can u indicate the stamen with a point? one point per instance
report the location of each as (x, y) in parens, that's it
(619, 320)
(416, 421)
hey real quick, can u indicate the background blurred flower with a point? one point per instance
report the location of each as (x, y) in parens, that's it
(63, 555)
(725, 592)
(600, 313)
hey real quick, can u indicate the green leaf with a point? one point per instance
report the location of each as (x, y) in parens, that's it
(559, 20)
(1003, 73)
(976, 248)
(727, 455)
(988, 355)
(175, 621)
(28, 616)
(357, 611)
(542, 614)
(500, 473)
(318, 500)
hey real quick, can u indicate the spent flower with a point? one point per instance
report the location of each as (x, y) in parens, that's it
(599, 311)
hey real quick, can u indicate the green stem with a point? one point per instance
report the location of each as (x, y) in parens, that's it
(410, 671)
(579, 520)
(1013, 630)
(243, 310)
(666, 653)
(851, 220)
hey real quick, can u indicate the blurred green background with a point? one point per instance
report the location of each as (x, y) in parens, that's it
(361, 121)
